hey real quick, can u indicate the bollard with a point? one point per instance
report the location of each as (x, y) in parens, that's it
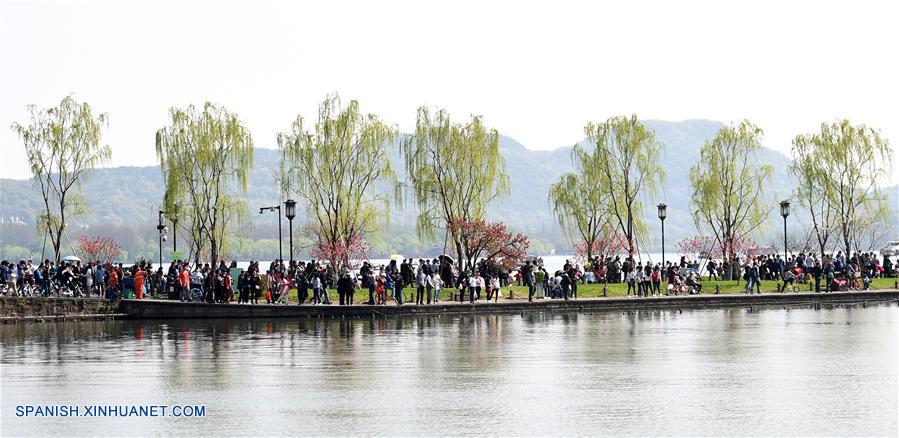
(605, 290)
(717, 289)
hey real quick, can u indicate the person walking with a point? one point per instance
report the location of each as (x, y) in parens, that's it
(345, 288)
(638, 279)
(540, 280)
(656, 281)
(420, 284)
(565, 283)
(494, 284)
(434, 283)
(391, 279)
(241, 288)
(527, 273)
(316, 289)
(631, 282)
(138, 283)
(754, 278)
(712, 268)
(381, 289)
(183, 277)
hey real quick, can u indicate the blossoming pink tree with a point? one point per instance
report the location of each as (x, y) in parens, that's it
(101, 249)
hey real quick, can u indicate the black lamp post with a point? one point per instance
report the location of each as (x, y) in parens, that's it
(663, 213)
(290, 210)
(280, 246)
(162, 229)
(174, 216)
(785, 211)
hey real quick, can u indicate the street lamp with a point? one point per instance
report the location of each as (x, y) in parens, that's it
(174, 216)
(290, 207)
(280, 250)
(162, 229)
(663, 213)
(785, 211)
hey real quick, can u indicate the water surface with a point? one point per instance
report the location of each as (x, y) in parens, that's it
(703, 372)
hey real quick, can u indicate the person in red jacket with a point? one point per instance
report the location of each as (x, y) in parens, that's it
(184, 279)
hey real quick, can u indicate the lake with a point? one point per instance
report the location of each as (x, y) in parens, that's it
(703, 372)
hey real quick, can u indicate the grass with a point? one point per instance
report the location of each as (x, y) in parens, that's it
(596, 290)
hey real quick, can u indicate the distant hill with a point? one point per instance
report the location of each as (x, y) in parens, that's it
(129, 196)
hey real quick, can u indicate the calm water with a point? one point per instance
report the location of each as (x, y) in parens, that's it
(710, 372)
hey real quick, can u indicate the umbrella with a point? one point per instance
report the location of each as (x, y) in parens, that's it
(444, 256)
(71, 258)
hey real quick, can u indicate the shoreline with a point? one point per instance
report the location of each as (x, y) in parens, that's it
(163, 309)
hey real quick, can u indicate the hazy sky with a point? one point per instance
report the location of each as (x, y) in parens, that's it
(536, 71)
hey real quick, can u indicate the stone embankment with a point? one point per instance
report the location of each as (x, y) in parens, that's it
(67, 309)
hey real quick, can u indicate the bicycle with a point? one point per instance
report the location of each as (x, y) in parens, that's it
(196, 295)
(791, 287)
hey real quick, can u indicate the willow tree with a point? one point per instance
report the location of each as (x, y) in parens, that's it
(334, 169)
(728, 184)
(811, 192)
(205, 155)
(62, 145)
(454, 171)
(579, 200)
(626, 164)
(845, 164)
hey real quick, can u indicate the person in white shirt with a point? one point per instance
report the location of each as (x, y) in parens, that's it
(472, 285)
(434, 285)
(494, 288)
(421, 282)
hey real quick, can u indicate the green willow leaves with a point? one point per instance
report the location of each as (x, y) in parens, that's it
(839, 170)
(62, 145)
(728, 186)
(334, 169)
(454, 171)
(625, 166)
(205, 154)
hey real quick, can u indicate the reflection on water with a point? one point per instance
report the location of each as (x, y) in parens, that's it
(709, 372)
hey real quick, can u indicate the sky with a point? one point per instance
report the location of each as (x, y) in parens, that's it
(536, 71)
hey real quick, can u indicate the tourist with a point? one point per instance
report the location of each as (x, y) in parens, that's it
(527, 274)
(472, 287)
(138, 282)
(656, 281)
(368, 281)
(494, 286)
(565, 283)
(573, 275)
(631, 279)
(435, 284)
(243, 295)
(540, 283)
(302, 285)
(265, 286)
(381, 288)
(316, 289)
(346, 287)
(112, 284)
(754, 279)
(647, 279)
(638, 279)
(420, 283)
(711, 267)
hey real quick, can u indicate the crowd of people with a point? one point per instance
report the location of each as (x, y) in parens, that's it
(66, 278)
(831, 272)
(226, 283)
